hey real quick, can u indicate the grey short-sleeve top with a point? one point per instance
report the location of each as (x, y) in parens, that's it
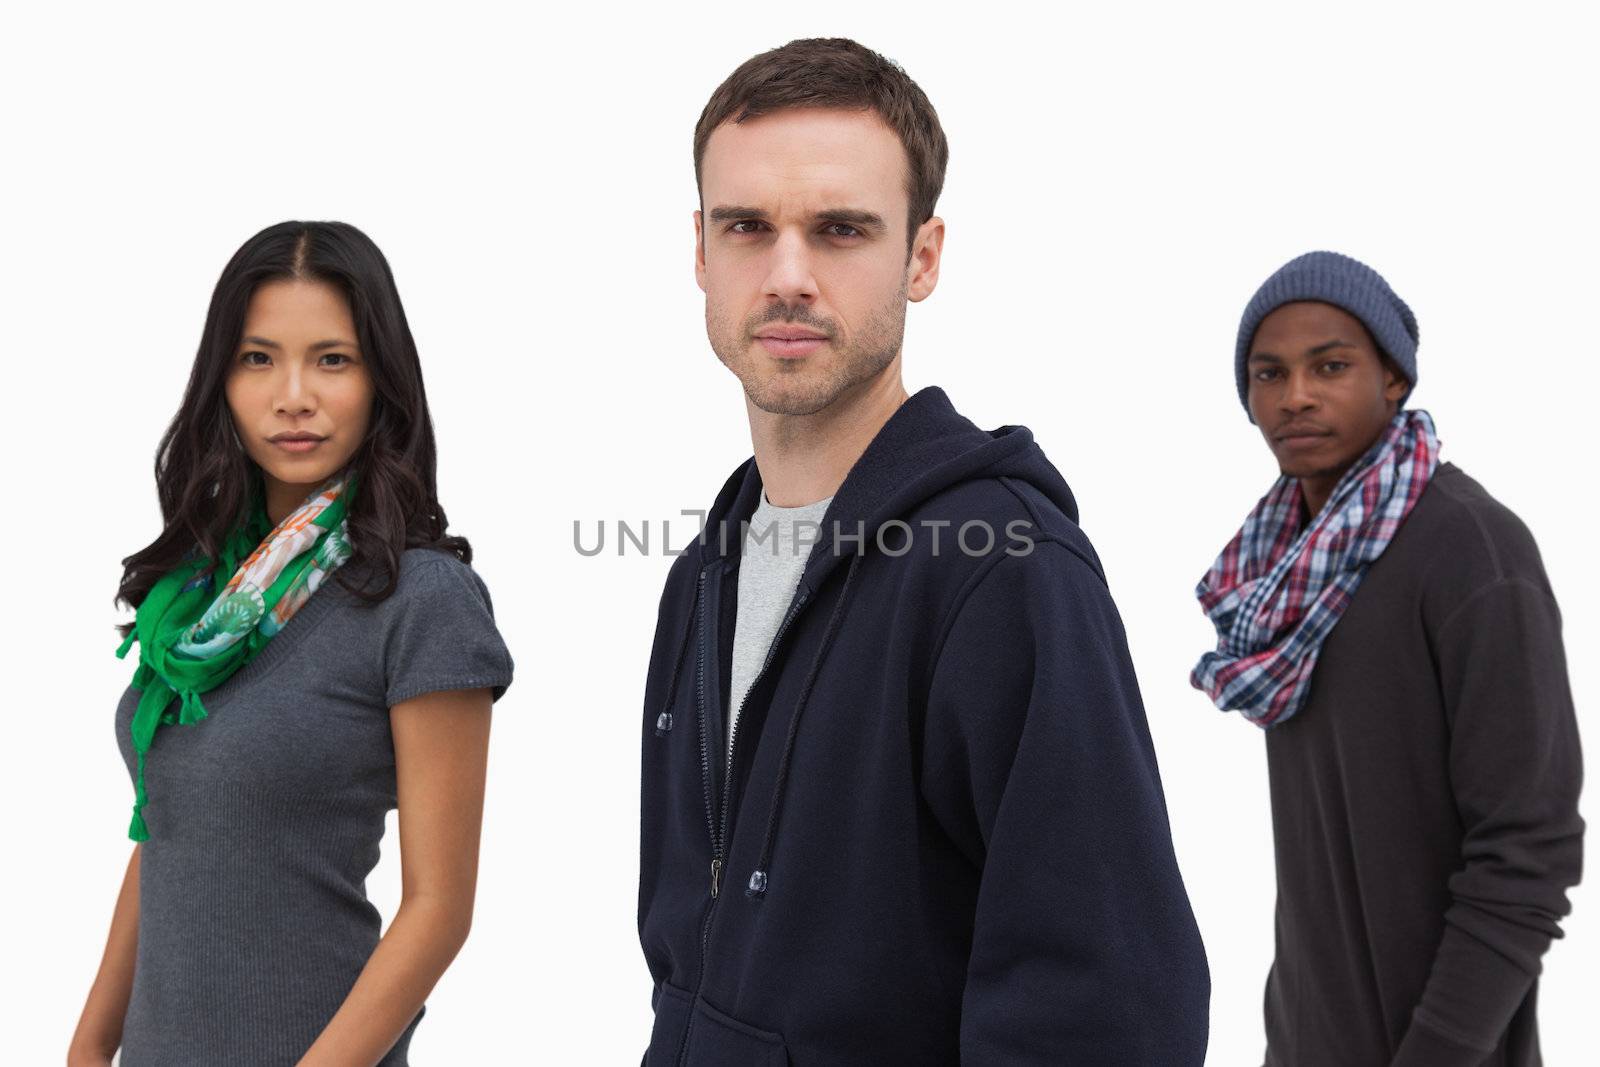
(265, 819)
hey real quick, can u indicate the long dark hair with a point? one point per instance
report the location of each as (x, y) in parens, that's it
(207, 484)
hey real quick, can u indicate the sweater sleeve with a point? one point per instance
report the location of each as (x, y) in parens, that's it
(1037, 761)
(1515, 769)
(439, 634)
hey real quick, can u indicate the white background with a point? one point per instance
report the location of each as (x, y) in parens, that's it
(1120, 181)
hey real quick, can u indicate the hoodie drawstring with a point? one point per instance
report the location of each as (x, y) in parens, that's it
(664, 719)
(758, 878)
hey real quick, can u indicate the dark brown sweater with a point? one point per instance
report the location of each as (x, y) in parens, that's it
(1424, 805)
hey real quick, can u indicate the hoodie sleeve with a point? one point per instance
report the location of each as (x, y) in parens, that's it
(1037, 761)
(1516, 771)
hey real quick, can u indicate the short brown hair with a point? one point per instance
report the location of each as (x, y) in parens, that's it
(836, 72)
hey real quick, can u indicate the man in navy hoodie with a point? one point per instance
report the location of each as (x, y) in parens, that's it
(900, 803)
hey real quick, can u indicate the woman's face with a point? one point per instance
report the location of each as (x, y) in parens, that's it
(298, 390)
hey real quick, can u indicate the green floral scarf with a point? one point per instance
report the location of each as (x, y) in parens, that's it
(192, 639)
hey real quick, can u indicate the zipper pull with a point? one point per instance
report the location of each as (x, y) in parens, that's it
(716, 877)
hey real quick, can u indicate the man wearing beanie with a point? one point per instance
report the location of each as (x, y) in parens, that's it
(1390, 625)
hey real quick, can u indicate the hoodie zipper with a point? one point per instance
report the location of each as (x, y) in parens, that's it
(700, 704)
(717, 810)
(720, 842)
(717, 818)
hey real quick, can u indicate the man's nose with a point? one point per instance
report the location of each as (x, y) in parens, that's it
(790, 276)
(1299, 393)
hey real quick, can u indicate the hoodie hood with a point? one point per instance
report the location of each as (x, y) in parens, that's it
(925, 448)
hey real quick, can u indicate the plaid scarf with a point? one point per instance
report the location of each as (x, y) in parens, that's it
(1276, 591)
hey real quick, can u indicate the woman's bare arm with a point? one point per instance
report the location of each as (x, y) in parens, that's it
(441, 750)
(99, 1030)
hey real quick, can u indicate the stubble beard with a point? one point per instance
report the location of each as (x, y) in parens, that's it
(805, 388)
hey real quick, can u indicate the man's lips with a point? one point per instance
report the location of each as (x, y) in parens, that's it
(1301, 436)
(789, 342)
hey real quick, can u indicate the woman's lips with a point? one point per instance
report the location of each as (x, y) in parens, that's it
(790, 347)
(297, 444)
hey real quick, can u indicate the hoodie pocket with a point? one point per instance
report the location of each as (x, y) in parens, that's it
(718, 1040)
(672, 1015)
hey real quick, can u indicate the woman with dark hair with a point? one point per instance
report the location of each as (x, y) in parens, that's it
(275, 715)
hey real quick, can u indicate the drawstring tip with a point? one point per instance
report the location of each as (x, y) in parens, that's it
(758, 885)
(137, 830)
(663, 723)
(127, 643)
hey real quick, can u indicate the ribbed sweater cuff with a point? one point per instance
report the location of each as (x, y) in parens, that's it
(1426, 1047)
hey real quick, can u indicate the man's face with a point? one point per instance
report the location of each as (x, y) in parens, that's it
(801, 250)
(1319, 389)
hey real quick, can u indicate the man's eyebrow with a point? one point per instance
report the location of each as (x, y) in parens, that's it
(734, 213)
(867, 220)
(1326, 346)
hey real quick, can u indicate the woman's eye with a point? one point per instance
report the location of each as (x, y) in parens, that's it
(334, 359)
(255, 359)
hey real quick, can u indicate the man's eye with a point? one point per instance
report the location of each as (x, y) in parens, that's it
(1266, 374)
(841, 229)
(1334, 366)
(744, 226)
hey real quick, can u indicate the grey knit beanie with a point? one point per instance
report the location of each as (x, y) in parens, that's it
(1346, 283)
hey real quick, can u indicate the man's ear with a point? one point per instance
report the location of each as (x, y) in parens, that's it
(699, 252)
(1395, 384)
(922, 269)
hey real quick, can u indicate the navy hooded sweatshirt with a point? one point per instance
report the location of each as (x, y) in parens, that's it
(942, 838)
